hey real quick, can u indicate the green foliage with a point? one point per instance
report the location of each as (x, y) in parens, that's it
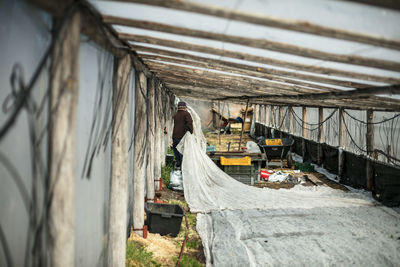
(170, 151)
(165, 172)
(187, 261)
(136, 255)
(191, 219)
(193, 244)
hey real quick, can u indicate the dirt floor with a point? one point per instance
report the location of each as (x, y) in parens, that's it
(165, 250)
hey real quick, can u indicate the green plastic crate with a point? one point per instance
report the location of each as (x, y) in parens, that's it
(304, 167)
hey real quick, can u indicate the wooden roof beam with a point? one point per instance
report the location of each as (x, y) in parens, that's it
(258, 59)
(229, 78)
(233, 71)
(313, 104)
(268, 73)
(256, 43)
(286, 24)
(243, 92)
(366, 92)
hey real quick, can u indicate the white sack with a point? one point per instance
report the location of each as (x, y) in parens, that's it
(252, 147)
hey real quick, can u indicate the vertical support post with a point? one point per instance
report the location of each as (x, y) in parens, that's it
(273, 116)
(264, 117)
(267, 115)
(219, 122)
(140, 152)
(321, 138)
(291, 120)
(158, 153)
(305, 131)
(281, 120)
(150, 139)
(244, 120)
(370, 149)
(341, 141)
(63, 101)
(119, 164)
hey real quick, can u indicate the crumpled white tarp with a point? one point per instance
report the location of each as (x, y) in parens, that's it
(242, 225)
(176, 181)
(252, 147)
(278, 177)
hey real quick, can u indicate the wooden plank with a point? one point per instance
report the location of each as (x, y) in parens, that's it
(257, 71)
(315, 180)
(228, 70)
(150, 192)
(192, 94)
(212, 92)
(159, 126)
(116, 246)
(360, 93)
(63, 106)
(256, 43)
(260, 84)
(242, 87)
(258, 59)
(304, 122)
(233, 90)
(281, 23)
(291, 119)
(140, 152)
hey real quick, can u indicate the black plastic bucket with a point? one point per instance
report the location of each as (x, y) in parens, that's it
(164, 219)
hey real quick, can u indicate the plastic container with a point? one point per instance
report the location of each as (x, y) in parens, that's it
(264, 175)
(243, 174)
(211, 149)
(244, 161)
(304, 167)
(164, 219)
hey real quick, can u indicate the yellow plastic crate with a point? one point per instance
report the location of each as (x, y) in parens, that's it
(245, 161)
(273, 142)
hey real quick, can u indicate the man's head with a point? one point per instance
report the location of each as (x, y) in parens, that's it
(182, 105)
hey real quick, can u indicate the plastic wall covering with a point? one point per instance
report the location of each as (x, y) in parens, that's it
(25, 36)
(93, 136)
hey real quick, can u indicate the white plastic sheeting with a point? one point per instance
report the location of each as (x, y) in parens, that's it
(245, 226)
(252, 147)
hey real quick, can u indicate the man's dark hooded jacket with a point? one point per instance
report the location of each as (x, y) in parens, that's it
(182, 123)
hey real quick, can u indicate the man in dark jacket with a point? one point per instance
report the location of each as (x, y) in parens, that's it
(182, 123)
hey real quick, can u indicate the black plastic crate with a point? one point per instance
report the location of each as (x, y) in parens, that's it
(243, 174)
(164, 219)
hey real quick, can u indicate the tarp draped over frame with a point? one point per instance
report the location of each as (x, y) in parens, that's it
(246, 226)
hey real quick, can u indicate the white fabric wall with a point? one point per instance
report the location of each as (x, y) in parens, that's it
(312, 127)
(92, 193)
(25, 37)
